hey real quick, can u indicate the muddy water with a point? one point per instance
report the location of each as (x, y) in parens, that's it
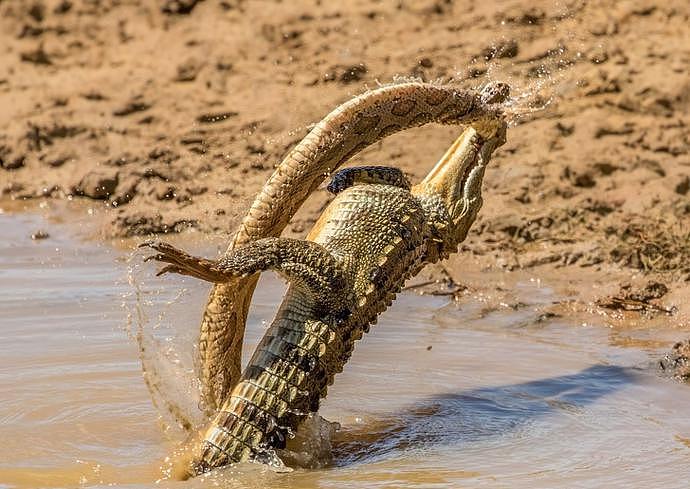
(437, 395)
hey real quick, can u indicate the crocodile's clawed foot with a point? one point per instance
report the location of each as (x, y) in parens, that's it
(183, 263)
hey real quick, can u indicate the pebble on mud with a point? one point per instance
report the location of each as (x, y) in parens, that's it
(131, 108)
(58, 160)
(564, 129)
(98, 184)
(346, 74)
(37, 56)
(40, 234)
(677, 361)
(188, 70)
(37, 11)
(353, 73)
(180, 7)
(126, 191)
(503, 49)
(216, 117)
(613, 130)
(523, 16)
(8, 161)
(684, 186)
(63, 7)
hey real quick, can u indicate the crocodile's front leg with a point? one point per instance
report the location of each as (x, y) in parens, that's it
(304, 263)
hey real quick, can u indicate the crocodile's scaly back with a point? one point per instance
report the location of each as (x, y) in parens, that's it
(344, 132)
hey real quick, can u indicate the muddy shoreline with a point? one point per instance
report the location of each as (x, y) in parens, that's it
(168, 116)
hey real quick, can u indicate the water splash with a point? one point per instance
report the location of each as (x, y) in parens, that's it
(172, 384)
(311, 446)
(538, 80)
(175, 389)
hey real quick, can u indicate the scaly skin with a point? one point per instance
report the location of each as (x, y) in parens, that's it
(347, 130)
(370, 239)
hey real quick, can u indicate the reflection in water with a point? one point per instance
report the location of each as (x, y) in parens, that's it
(471, 416)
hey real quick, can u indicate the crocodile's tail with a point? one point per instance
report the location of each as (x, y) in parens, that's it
(283, 382)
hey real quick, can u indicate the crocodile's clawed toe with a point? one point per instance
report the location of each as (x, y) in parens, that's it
(160, 246)
(174, 266)
(170, 269)
(166, 252)
(163, 257)
(179, 261)
(148, 244)
(157, 257)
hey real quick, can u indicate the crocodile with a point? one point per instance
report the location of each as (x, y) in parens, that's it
(377, 232)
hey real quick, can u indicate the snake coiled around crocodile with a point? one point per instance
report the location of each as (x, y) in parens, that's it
(347, 130)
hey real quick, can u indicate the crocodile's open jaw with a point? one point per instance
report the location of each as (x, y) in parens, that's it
(449, 177)
(456, 180)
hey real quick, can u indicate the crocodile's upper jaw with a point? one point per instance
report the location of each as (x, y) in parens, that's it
(456, 181)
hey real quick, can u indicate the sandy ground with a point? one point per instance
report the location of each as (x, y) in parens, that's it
(169, 115)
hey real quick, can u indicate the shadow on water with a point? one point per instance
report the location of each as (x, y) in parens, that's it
(476, 415)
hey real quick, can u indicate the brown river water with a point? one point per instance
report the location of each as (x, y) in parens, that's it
(437, 395)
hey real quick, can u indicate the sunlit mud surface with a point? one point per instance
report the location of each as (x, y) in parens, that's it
(438, 395)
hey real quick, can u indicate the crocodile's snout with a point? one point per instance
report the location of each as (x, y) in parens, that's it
(455, 182)
(456, 179)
